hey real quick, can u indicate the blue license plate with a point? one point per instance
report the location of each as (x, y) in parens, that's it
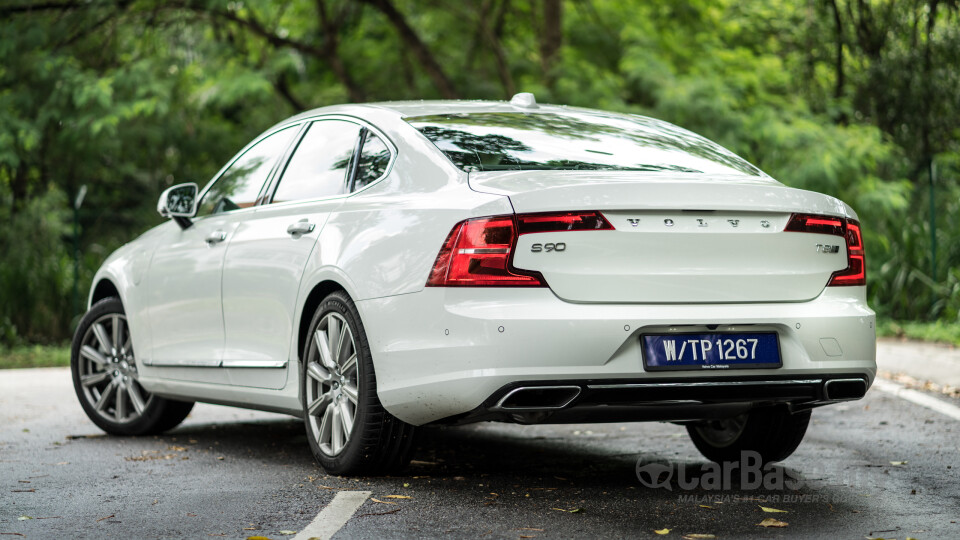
(666, 352)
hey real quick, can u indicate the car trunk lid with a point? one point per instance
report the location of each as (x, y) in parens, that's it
(676, 238)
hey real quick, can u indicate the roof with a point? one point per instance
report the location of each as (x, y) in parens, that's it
(406, 109)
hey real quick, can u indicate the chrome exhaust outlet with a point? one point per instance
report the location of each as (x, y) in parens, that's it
(844, 389)
(537, 398)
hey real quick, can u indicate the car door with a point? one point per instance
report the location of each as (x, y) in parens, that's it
(266, 258)
(184, 300)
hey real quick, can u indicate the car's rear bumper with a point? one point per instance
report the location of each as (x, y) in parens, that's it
(453, 354)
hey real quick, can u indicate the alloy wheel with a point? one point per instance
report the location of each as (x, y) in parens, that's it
(332, 389)
(108, 371)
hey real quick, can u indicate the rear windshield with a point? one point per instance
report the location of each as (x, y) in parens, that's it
(573, 140)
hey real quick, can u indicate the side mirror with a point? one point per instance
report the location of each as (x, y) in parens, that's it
(180, 203)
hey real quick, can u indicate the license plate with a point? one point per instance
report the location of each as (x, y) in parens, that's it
(666, 352)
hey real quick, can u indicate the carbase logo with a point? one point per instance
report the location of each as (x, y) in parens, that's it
(749, 473)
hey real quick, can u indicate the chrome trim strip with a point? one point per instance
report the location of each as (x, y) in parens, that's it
(499, 406)
(706, 384)
(253, 363)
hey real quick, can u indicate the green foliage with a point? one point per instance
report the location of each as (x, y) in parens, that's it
(35, 277)
(846, 97)
(939, 331)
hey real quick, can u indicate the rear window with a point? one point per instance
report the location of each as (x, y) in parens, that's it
(574, 140)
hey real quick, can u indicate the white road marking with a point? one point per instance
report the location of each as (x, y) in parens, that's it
(919, 398)
(332, 518)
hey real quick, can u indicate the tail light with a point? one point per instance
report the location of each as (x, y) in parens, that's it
(849, 230)
(478, 252)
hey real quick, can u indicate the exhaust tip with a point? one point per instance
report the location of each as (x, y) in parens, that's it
(540, 398)
(844, 389)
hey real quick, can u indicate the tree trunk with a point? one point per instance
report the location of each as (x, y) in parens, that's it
(838, 25)
(416, 46)
(332, 56)
(503, 68)
(551, 37)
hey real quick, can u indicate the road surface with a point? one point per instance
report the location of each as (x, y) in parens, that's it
(879, 467)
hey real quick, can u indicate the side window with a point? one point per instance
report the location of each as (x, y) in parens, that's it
(240, 184)
(319, 165)
(374, 157)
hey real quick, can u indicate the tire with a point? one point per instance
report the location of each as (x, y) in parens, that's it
(349, 431)
(772, 432)
(106, 380)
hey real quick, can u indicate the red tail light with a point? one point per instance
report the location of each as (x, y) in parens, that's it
(565, 221)
(849, 230)
(478, 252)
(856, 272)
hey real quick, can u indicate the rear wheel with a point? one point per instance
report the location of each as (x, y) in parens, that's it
(349, 431)
(106, 379)
(772, 432)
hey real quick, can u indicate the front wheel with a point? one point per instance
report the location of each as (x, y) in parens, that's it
(772, 432)
(106, 379)
(349, 431)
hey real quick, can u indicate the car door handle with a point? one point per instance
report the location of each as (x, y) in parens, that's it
(216, 237)
(301, 227)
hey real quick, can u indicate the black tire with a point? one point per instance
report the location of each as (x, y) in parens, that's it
(110, 372)
(772, 432)
(378, 443)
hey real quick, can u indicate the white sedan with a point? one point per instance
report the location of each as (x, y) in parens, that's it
(373, 268)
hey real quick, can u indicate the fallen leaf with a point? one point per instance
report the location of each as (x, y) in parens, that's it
(177, 448)
(898, 463)
(15, 534)
(249, 528)
(398, 497)
(287, 533)
(770, 522)
(706, 506)
(24, 518)
(381, 502)
(325, 487)
(662, 531)
(220, 458)
(406, 485)
(772, 510)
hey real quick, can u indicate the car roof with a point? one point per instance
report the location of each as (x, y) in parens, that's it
(407, 109)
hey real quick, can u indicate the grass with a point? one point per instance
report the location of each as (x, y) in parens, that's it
(34, 356)
(938, 331)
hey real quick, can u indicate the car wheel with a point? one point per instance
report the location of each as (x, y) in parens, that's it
(772, 432)
(349, 431)
(106, 380)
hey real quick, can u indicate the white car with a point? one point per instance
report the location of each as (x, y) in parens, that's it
(373, 268)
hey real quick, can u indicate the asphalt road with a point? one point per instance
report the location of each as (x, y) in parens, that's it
(880, 467)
